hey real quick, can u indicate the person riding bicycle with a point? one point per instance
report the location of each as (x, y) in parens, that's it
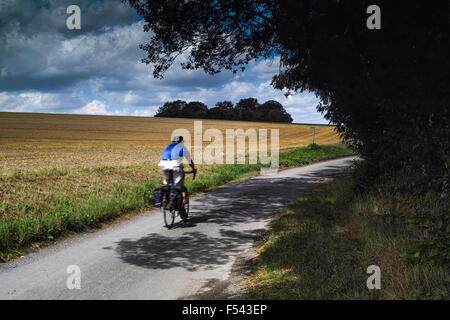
(171, 163)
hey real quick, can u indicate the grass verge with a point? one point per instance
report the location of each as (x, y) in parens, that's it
(321, 245)
(41, 206)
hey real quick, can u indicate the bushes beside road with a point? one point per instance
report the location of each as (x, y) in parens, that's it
(321, 246)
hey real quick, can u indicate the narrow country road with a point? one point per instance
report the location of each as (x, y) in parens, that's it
(141, 259)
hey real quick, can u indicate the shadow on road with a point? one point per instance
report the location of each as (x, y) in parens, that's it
(233, 207)
(192, 251)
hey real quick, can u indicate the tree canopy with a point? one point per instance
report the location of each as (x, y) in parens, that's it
(387, 89)
(246, 110)
(223, 110)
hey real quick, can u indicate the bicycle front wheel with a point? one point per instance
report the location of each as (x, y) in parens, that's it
(169, 217)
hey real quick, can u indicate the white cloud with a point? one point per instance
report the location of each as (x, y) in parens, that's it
(266, 69)
(28, 102)
(130, 97)
(147, 112)
(93, 107)
(97, 107)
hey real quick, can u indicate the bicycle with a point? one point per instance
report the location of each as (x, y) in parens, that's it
(170, 210)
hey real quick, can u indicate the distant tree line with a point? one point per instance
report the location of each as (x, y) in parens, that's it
(245, 110)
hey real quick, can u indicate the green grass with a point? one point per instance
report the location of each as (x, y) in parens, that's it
(295, 157)
(321, 245)
(39, 207)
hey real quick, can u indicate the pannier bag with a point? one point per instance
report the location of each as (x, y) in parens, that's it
(158, 195)
(176, 198)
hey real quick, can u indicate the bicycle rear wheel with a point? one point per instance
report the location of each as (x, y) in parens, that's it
(169, 216)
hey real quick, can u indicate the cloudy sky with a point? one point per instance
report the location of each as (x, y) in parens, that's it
(44, 67)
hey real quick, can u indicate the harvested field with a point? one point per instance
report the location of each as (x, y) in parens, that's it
(36, 141)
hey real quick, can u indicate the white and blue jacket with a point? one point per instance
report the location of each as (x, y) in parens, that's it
(172, 157)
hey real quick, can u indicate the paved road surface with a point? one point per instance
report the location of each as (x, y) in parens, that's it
(140, 259)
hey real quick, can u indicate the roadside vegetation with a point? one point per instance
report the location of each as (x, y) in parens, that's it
(39, 206)
(321, 245)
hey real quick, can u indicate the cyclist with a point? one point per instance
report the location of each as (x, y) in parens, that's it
(171, 163)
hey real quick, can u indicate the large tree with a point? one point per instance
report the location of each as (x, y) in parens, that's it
(194, 109)
(224, 110)
(171, 109)
(386, 89)
(246, 109)
(273, 111)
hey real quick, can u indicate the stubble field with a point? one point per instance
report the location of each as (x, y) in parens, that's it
(36, 141)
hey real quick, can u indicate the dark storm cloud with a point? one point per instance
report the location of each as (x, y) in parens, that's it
(39, 53)
(32, 17)
(44, 67)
